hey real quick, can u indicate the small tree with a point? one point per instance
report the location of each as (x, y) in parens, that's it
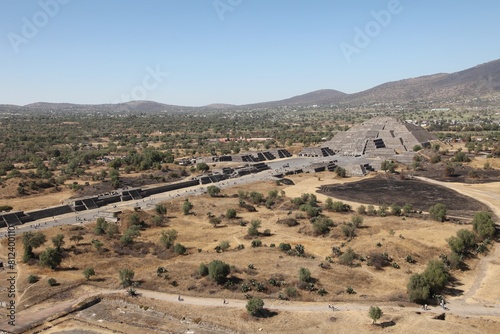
(215, 221)
(129, 235)
(32, 279)
(272, 194)
(436, 275)
(395, 210)
(224, 245)
(349, 230)
(126, 277)
(322, 225)
(31, 241)
(100, 226)
(202, 166)
(112, 230)
(157, 220)
(339, 206)
(468, 238)
(213, 191)
(255, 305)
(300, 249)
(161, 210)
(230, 213)
(50, 258)
(186, 207)
(179, 249)
(375, 313)
(357, 221)
(52, 281)
(304, 275)
(58, 241)
(438, 212)
(218, 270)
(134, 219)
(418, 288)
(285, 247)
(256, 197)
(483, 225)
(341, 172)
(76, 238)
(97, 245)
(407, 209)
(203, 269)
(88, 272)
(388, 166)
(361, 210)
(456, 245)
(168, 238)
(348, 257)
(253, 230)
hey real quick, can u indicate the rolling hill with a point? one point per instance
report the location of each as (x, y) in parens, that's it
(481, 81)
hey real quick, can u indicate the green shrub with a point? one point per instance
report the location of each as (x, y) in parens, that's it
(218, 270)
(32, 279)
(203, 269)
(256, 243)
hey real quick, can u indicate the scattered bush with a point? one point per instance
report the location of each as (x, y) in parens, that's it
(51, 258)
(375, 313)
(255, 305)
(253, 230)
(168, 237)
(230, 213)
(304, 275)
(438, 212)
(179, 249)
(88, 272)
(284, 247)
(348, 257)
(357, 221)
(126, 277)
(483, 225)
(256, 243)
(224, 245)
(218, 270)
(32, 279)
(288, 222)
(203, 269)
(213, 191)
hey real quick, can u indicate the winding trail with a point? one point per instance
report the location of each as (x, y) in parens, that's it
(25, 319)
(492, 200)
(461, 306)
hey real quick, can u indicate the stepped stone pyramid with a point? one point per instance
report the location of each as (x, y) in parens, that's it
(381, 137)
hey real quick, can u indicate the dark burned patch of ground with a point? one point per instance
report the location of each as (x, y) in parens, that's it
(385, 189)
(462, 173)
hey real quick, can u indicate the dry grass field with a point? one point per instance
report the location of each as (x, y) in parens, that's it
(397, 236)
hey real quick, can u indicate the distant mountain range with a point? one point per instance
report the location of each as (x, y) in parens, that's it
(482, 81)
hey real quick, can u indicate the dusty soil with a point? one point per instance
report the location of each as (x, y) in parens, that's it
(386, 189)
(120, 314)
(423, 239)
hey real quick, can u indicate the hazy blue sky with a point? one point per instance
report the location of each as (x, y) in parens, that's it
(232, 51)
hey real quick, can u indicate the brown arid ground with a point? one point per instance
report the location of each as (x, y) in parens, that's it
(476, 310)
(49, 197)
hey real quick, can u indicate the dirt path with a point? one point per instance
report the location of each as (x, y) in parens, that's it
(26, 318)
(490, 195)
